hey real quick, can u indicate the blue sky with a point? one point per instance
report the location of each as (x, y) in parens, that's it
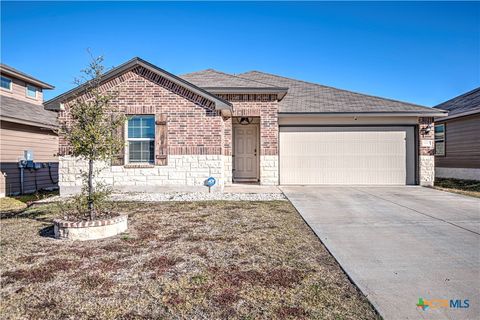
(424, 53)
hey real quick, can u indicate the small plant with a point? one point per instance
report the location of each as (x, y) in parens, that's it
(92, 132)
(126, 237)
(77, 207)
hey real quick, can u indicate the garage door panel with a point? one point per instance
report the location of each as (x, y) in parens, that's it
(322, 155)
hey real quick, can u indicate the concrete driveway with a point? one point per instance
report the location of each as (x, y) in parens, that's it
(399, 244)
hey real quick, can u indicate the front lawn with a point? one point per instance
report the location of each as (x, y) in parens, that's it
(465, 187)
(11, 206)
(180, 260)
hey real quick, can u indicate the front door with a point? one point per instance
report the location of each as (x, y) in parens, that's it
(245, 152)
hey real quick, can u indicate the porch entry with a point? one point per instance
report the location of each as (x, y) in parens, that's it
(246, 155)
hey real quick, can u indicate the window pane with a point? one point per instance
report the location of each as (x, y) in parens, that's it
(6, 83)
(141, 151)
(439, 128)
(31, 91)
(440, 148)
(439, 131)
(141, 127)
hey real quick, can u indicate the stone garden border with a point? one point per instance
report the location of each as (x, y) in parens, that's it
(90, 230)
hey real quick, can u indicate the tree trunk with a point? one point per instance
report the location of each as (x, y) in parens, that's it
(91, 209)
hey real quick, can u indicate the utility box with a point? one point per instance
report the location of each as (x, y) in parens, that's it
(28, 155)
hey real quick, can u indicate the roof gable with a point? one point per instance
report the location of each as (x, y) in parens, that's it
(157, 75)
(307, 97)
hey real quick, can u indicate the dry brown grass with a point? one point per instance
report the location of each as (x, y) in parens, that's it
(464, 187)
(203, 260)
(11, 205)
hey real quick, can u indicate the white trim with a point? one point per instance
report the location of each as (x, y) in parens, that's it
(127, 142)
(26, 91)
(11, 84)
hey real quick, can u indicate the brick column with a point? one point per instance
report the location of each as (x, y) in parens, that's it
(227, 151)
(269, 174)
(426, 157)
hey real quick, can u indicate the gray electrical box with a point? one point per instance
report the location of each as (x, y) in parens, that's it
(28, 155)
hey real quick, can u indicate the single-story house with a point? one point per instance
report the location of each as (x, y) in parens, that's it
(27, 132)
(253, 127)
(457, 138)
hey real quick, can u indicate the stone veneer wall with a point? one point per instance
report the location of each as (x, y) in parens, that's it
(269, 174)
(426, 158)
(183, 173)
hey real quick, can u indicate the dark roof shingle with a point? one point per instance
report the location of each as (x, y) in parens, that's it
(21, 110)
(307, 97)
(466, 103)
(215, 79)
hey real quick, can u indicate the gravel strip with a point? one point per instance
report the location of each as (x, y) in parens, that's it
(179, 196)
(197, 196)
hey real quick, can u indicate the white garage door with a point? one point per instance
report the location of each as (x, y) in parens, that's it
(347, 155)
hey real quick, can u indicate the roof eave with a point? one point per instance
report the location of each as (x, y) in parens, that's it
(279, 91)
(369, 114)
(29, 80)
(29, 123)
(457, 115)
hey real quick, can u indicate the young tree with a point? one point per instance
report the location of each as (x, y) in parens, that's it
(92, 132)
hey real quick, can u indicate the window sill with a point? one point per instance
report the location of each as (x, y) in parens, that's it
(139, 165)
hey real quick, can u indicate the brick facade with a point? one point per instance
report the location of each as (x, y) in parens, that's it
(194, 129)
(199, 138)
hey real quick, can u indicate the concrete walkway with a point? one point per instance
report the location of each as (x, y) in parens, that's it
(399, 244)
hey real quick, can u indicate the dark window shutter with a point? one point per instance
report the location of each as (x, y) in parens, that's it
(161, 140)
(119, 158)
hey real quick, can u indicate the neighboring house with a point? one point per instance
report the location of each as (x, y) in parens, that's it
(26, 126)
(253, 127)
(457, 138)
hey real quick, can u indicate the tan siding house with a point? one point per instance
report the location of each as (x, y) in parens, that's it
(26, 126)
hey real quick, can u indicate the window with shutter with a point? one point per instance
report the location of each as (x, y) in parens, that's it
(161, 140)
(141, 139)
(119, 158)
